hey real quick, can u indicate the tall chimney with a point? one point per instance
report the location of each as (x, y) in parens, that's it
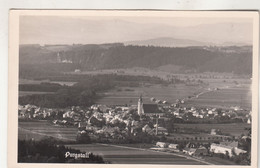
(156, 130)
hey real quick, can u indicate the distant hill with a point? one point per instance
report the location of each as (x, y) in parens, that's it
(168, 42)
(110, 56)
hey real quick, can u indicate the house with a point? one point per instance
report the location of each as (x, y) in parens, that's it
(213, 132)
(146, 128)
(189, 151)
(161, 144)
(224, 149)
(173, 146)
(218, 148)
(82, 125)
(232, 144)
(201, 151)
(162, 131)
(135, 123)
(159, 131)
(151, 110)
(238, 151)
(77, 70)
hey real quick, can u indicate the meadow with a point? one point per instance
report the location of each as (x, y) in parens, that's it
(31, 81)
(233, 96)
(25, 93)
(223, 98)
(130, 95)
(130, 155)
(42, 129)
(234, 129)
(232, 90)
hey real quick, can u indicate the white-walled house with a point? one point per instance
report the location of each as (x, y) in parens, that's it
(219, 148)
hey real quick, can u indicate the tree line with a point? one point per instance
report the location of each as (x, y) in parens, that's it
(48, 150)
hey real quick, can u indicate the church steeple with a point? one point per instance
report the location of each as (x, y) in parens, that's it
(140, 106)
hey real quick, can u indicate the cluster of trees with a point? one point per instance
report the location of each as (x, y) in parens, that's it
(42, 87)
(50, 151)
(81, 94)
(241, 159)
(83, 138)
(59, 100)
(41, 71)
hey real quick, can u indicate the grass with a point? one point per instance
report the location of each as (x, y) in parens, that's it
(30, 81)
(26, 93)
(42, 129)
(218, 161)
(122, 155)
(235, 129)
(126, 154)
(169, 93)
(223, 98)
(235, 96)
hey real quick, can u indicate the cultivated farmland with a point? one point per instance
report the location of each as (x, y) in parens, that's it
(40, 129)
(227, 97)
(235, 129)
(128, 155)
(130, 95)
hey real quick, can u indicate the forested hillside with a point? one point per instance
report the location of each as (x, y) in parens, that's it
(37, 59)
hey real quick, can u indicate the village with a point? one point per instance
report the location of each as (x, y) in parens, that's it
(151, 124)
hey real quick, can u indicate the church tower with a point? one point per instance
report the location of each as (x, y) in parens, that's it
(140, 106)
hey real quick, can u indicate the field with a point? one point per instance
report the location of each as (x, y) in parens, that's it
(43, 129)
(232, 91)
(123, 154)
(28, 81)
(26, 93)
(227, 97)
(222, 98)
(169, 93)
(130, 155)
(235, 129)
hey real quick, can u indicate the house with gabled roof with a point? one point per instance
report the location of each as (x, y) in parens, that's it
(226, 149)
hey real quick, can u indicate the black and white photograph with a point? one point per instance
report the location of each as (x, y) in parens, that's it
(135, 87)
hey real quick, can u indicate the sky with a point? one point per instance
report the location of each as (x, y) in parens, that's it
(109, 29)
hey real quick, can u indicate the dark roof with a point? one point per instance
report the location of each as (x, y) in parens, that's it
(151, 108)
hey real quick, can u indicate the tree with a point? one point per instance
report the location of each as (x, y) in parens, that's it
(83, 138)
(227, 155)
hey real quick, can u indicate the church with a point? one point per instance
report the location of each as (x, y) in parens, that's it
(148, 109)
